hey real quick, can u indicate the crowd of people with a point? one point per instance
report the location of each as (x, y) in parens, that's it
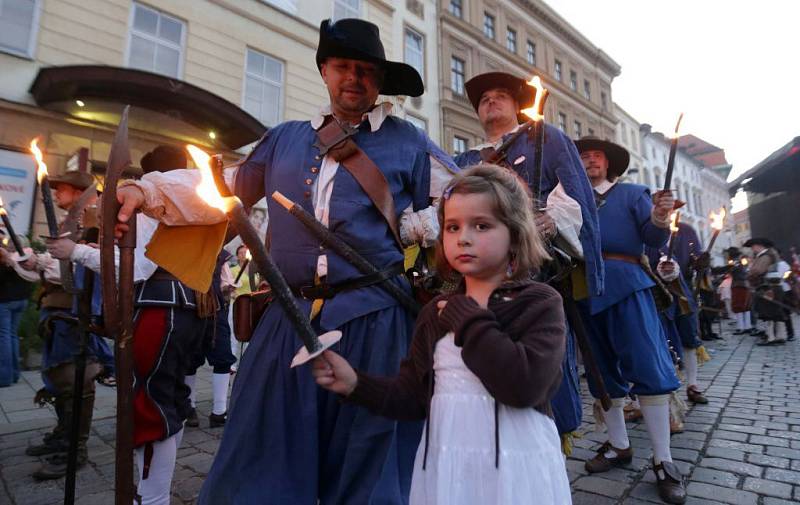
(541, 257)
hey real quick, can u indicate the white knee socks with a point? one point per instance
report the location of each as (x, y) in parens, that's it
(690, 365)
(655, 410)
(189, 380)
(615, 424)
(743, 321)
(219, 382)
(155, 489)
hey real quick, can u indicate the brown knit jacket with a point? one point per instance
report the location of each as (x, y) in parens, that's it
(515, 347)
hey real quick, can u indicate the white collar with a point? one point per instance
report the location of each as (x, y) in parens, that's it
(499, 141)
(604, 187)
(376, 116)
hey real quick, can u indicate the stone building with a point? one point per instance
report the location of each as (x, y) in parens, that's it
(523, 37)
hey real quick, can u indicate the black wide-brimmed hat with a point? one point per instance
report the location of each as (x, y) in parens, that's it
(618, 157)
(357, 39)
(80, 180)
(163, 159)
(764, 242)
(517, 86)
(733, 252)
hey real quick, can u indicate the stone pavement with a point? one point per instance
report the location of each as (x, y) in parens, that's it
(742, 448)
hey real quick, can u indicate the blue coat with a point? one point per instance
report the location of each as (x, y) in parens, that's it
(625, 228)
(560, 163)
(686, 249)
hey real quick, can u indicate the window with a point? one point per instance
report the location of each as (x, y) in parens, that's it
(156, 42)
(591, 131)
(531, 56)
(578, 129)
(587, 90)
(418, 122)
(263, 87)
(488, 25)
(562, 122)
(603, 100)
(658, 180)
(573, 80)
(457, 75)
(459, 145)
(511, 40)
(558, 70)
(289, 6)
(457, 8)
(346, 9)
(623, 133)
(415, 51)
(18, 23)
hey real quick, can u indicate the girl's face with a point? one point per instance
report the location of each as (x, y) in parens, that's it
(476, 243)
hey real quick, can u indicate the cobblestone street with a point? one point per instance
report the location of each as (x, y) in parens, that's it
(742, 448)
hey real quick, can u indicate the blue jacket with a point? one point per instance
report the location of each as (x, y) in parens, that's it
(560, 163)
(686, 249)
(625, 228)
(286, 160)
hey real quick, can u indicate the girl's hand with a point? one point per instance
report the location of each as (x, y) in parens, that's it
(334, 373)
(441, 304)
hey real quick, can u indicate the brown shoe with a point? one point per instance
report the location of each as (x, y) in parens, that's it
(695, 396)
(675, 426)
(671, 488)
(601, 463)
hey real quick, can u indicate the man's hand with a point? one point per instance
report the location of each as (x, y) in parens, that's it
(334, 373)
(663, 203)
(30, 263)
(668, 270)
(545, 225)
(131, 198)
(60, 248)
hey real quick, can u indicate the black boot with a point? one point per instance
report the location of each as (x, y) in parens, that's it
(55, 466)
(191, 420)
(55, 441)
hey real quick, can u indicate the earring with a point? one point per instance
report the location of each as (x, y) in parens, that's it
(510, 269)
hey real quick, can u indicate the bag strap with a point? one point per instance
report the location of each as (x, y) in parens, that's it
(336, 140)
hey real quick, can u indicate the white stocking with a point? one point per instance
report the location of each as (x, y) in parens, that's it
(655, 410)
(190, 380)
(219, 382)
(155, 489)
(690, 362)
(615, 424)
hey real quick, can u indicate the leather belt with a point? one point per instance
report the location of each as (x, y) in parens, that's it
(627, 258)
(326, 291)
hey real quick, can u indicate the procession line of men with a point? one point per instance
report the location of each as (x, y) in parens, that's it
(286, 440)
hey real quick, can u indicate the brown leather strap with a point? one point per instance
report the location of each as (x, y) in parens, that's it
(334, 139)
(621, 257)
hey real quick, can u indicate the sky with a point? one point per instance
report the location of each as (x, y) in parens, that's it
(730, 66)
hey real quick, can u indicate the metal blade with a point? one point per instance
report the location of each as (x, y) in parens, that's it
(118, 160)
(71, 222)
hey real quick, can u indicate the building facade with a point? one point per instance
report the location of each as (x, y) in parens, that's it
(216, 73)
(522, 37)
(628, 136)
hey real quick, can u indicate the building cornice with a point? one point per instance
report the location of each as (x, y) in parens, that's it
(570, 34)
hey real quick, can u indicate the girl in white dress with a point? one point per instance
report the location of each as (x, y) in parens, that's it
(483, 363)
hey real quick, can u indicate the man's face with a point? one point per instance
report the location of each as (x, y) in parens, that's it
(241, 254)
(353, 85)
(757, 248)
(65, 195)
(497, 106)
(596, 165)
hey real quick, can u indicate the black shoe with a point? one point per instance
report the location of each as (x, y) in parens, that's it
(217, 420)
(191, 420)
(741, 332)
(790, 338)
(51, 445)
(55, 466)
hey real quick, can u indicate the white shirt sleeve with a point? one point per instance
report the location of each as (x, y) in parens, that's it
(566, 212)
(422, 227)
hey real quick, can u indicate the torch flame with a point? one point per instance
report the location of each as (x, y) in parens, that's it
(744, 261)
(206, 190)
(717, 219)
(248, 255)
(41, 172)
(673, 221)
(2, 209)
(535, 112)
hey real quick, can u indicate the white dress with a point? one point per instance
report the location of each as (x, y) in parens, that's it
(460, 466)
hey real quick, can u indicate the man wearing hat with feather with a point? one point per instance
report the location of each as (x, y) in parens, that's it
(625, 332)
(287, 441)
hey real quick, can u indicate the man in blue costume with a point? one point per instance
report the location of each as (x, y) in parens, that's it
(625, 331)
(687, 255)
(287, 441)
(569, 218)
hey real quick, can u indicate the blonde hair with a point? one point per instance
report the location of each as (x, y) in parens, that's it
(512, 205)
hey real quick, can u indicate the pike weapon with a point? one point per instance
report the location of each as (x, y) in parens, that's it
(345, 250)
(118, 308)
(83, 323)
(69, 229)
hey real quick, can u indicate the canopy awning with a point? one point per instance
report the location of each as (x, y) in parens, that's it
(780, 171)
(232, 126)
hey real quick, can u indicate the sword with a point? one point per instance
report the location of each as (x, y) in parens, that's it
(118, 309)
